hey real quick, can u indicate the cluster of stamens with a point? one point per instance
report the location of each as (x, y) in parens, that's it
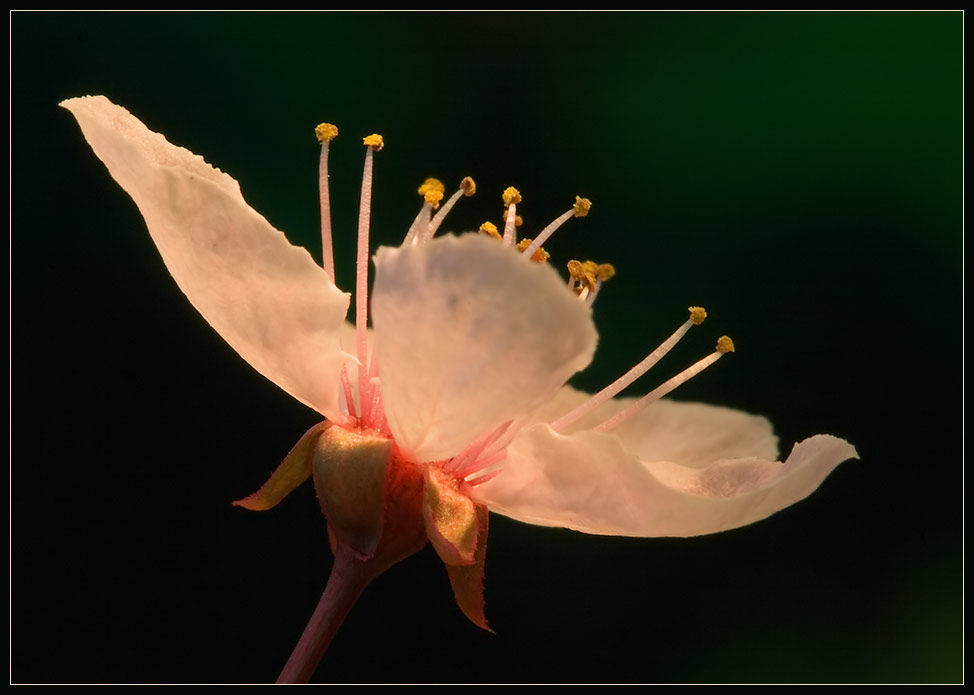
(478, 462)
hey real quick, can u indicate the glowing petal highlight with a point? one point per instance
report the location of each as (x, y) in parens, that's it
(469, 337)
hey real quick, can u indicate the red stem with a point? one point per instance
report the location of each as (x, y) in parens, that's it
(349, 577)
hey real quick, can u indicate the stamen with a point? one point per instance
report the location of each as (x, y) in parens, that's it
(325, 132)
(724, 345)
(432, 191)
(477, 448)
(585, 278)
(629, 377)
(575, 271)
(480, 479)
(518, 220)
(347, 389)
(539, 256)
(490, 229)
(374, 143)
(422, 221)
(580, 209)
(429, 189)
(467, 188)
(480, 463)
(511, 198)
(603, 272)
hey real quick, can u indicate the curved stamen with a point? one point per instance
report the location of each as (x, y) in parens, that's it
(580, 209)
(697, 315)
(467, 188)
(724, 345)
(421, 222)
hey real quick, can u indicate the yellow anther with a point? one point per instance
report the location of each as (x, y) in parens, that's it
(490, 229)
(585, 274)
(326, 132)
(725, 345)
(582, 206)
(511, 196)
(539, 256)
(518, 220)
(468, 186)
(374, 141)
(431, 184)
(605, 271)
(433, 198)
(698, 314)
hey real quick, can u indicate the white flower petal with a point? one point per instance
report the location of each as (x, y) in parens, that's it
(267, 298)
(696, 434)
(587, 481)
(690, 434)
(470, 335)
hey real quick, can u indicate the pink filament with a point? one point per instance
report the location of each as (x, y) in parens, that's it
(327, 255)
(623, 381)
(658, 393)
(480, 463)
(477, 448)
(510, 235)
(546, 233)
(347, 388)
(415, 235)
(480, 479)
(362, 286)
(441, 215)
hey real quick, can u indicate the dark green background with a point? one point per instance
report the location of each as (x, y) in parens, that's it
(799, 174)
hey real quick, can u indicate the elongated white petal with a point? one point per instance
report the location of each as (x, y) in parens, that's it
(267, 298)
(470, 336)
(588, 481)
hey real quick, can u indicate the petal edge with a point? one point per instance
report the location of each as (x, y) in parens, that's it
(266, 298)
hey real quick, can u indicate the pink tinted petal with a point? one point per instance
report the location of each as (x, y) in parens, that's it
(587, 481)
(691, 434)
(696, 434)
(268, 299)
(469, 337)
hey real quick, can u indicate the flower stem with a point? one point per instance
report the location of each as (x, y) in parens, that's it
(349, 577)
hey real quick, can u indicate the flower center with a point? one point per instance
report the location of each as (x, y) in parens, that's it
(480, 461)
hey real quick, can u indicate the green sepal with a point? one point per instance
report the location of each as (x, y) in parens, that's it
(468, 580)
(350, 470)
(450, 517)
(291, 472)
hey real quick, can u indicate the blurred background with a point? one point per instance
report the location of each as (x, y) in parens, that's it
(799, 174)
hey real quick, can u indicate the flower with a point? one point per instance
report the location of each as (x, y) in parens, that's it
(455, 402)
